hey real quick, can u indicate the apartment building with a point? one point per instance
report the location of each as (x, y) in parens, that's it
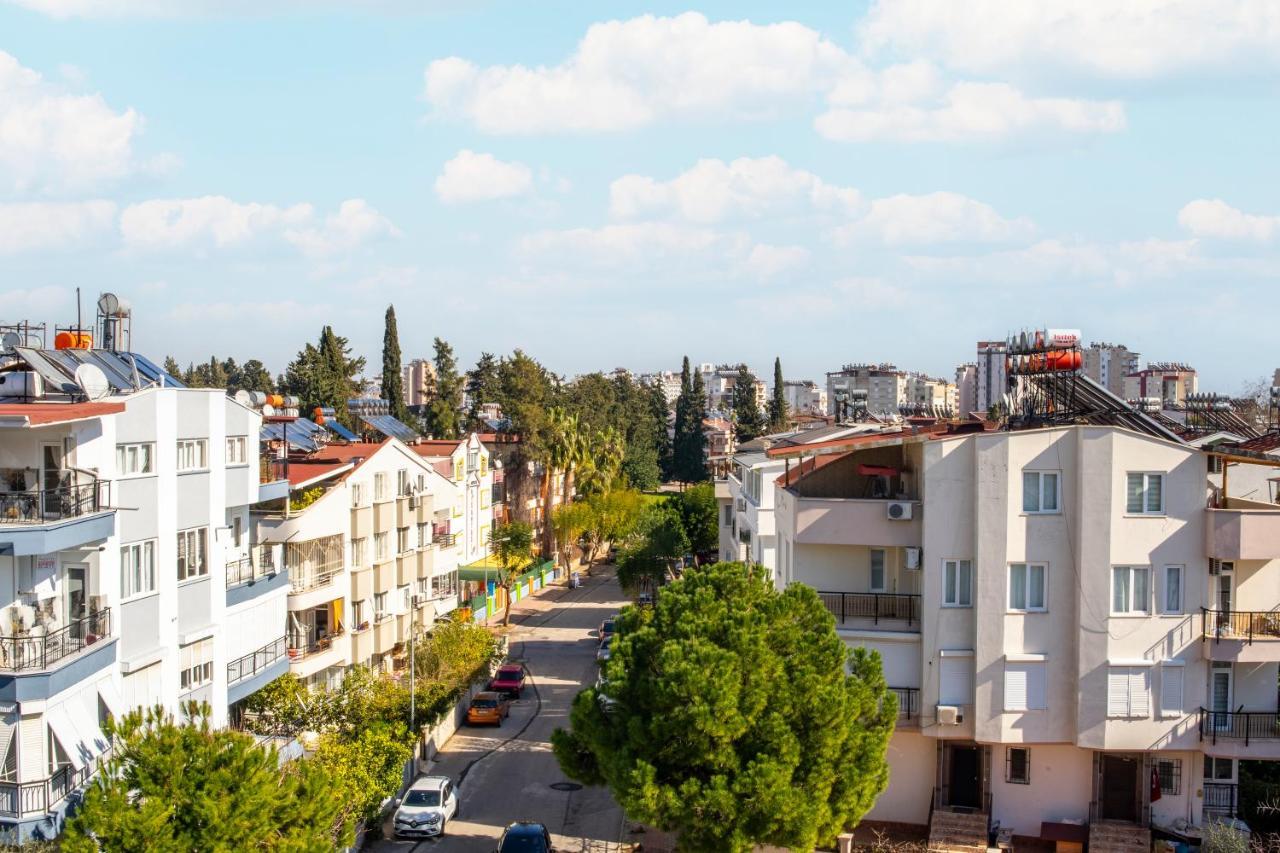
(1171, 382)
(720, 381)
(991, 374)
(419, 381)
(370, 537)
(966, 389)
(883, 386)
(124, 502)
(804, 397)
(1058, 613)
(922, 392)
(1110, 364)
(748, 519)
(467, 464)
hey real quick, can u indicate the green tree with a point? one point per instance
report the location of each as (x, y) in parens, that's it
(690, 443)
(444, 412)
(366, 767)
(172, 786)
(512, 544)
(661, 414)
(324, 374)
(254, 376)
(699, 514)
(482, 385)
(738, 717)
(778, 402)
(392, 374)
(571, 522)
(748, 421)
(658, 538)
(172, 368)
(614, 516)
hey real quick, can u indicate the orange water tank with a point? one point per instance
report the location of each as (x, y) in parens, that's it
(73, 340)
(275, 400)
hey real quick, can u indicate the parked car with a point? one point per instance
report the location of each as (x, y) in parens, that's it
(644, 598)
(508, 680)
(602, 653)
(426, 808)
(525, 836)
(607, 702)
(488, 707)
(607, 628)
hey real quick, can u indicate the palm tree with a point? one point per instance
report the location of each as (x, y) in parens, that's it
(561, 428)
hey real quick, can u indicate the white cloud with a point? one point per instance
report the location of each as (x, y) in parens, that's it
(766, 261)
(481, 177)
(34, 226)
(51, 140)
(220, 223)
(1216, 218)
(626, 74)
(1129, 39)
(713, 190)
(940, 217)
(965, 111)
(208, 8)
(625, 245)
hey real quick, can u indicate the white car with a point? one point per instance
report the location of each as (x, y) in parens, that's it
(429, 804)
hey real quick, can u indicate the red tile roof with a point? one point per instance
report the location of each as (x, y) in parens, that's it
(40, 414)
(347, 452)
(436, 446)
(305, 471)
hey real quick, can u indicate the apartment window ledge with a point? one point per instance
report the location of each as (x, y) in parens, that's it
(1026, 513)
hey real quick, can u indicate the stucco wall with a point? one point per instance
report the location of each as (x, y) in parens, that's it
(912, 762)
(1061, 787)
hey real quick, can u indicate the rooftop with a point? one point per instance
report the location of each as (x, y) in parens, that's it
(41, 414)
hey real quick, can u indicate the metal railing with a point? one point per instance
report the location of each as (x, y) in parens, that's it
(1246, 625)
(908, 703)
(40, 506)
(301, 646)
(247, 666)
(872, 605)
(1222, 798)
(444, 540)
(1239, 725)
(31, 651)
(269, 469)
(247, 569)
(314, 562)
(25, 799)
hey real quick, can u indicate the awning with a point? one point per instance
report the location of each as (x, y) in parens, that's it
(472, 573)
(78, 733)
(111, 698)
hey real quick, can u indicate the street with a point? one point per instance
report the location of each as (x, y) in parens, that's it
(506, 773)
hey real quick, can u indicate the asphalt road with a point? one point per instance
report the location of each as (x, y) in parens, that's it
(507, 772)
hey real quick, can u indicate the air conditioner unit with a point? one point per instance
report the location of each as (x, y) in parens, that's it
(913, 559)
(950, 715)
(898, 510)
(413, 501)
(419, 599)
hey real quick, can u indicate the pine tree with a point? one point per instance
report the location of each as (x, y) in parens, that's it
(254, 376)
(324, 375)
(444, 412)
(172, 368)
(696, 443)
(748, 422)
(392, 376)
(660, 412)
(778, 403)
(482, 384)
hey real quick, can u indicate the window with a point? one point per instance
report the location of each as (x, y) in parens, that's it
(360, 552)
(473, 460)
(360, 613)
(138, 568)
(1040, 491)
(1129, 691)
(1026, 587)
(956, 681)
(380, 606)
(193, 553)
(193, 454)
(957, 583)
(1169, 771)
(877, 570)
(402, 483)
(424, 586)
(1024, 686)
(1173, 589)
(728, 513)
(237, 531)
(402, 539)
(196, 664)
(1219, 769)
(135, 459)
(1130, 590)
(380, 486)
(237, 450)
(424, 535)
(1171, 689)
(1017, 765)
(380, 547)
(404, 599)
(1215, 464)
(357, 494)
(1144, 494)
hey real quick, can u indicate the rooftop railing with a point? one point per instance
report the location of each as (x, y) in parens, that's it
(41, 506)
(1247, 625)
(34, 651)
(848, 606)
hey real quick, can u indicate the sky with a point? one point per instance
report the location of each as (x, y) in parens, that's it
(615, 184)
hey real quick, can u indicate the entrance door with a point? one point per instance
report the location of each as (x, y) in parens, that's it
(1119, 788)
(1220, 696)
(51, 479)
(965, 785)
(75, 600)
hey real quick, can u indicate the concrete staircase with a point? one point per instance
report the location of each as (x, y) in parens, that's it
(1107, 836)
(957, 832)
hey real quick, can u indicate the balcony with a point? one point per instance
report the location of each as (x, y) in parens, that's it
(908, 705)
(1244, 530)
(311, 651)
(251, 568)
(44, 521)
(855, 521)
(1221, 799)
(1248, 636)
(444, 540)
(1240, 734)
(33, 652)
(873, 610)
(250, 673)
(20, 800)
(314, 563)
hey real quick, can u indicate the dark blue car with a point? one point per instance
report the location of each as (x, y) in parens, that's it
(525, 836)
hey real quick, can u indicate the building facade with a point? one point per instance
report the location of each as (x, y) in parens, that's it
(966, 389)
(419, 381)
(884, 386)
(804, 397)
(1109, 365)
(1172, 383)
(991, 374)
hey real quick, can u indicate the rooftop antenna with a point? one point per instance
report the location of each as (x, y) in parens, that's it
(92, 381)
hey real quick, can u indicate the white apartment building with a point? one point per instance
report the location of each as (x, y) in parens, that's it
(884, 387)
(1061, 618)
(928, 394)
(991, 374)
(1171, 382)
(1109, 365)
(669, 383)
(371, 541)
(121, 517)
(419, 380)
(966, 389)
(749, 515)
(805, 397)
(720, 380)
(468, 464)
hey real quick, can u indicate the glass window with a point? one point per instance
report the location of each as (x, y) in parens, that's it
(1173, 589)
(957, 583)
(360, 552)
(402, 539)
(237, 449)
(1144, 494)
(1130, 589)
(359, 613)
(380, 546)
(193, 454)
(424, 534)
(357, 494)
(1169, 771)
(137, 568)
(1039, 491)
(402, 482)
(877, 570)
(193, 553)
(1219, 769)
(379, 605)
(135, 459)
(196, 664)
(1017, 765)
(1026, 587)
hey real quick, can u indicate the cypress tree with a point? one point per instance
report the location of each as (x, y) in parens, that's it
(392, 376)
(695, 456)
(748, 422)
(778, 403)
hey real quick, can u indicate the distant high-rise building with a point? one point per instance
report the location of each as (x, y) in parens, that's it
(885, 386)
(966, 389)
(804, 397)
(720, 380)
(991, 374)
(419, 379)
(1172, 382)
(1109, 364)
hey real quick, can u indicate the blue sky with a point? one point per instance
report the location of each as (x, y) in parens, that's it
(618, 184)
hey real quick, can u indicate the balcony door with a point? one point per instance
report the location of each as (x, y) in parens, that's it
(1220, 696)
(75, 599)
(51, 478)
(1222, 595)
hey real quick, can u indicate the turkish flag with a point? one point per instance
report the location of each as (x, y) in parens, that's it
(1155, 784)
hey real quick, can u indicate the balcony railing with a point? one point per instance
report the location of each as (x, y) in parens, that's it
(741, 504)
(1246, 625)
(41, 506)
(303, 645)
(31, 652)
(247, 666)
(25, 799)
(846, 606)
(908, 703)
(1222, 798)
(313, 563)
(251, 568)
(444, 540)
(1245, 726)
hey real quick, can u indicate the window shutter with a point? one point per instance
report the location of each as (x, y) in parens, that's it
(1171, 691)
(1133, 494)
(1015, 686)
(1118, 691)
(1139, 692)
(956, 681)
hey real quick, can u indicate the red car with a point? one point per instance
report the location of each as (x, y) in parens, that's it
(509, 680)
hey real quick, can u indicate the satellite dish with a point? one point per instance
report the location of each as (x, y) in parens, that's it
(108, 304)
(92, 381)
(268, 410)
(11, 340)
(242, 397)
